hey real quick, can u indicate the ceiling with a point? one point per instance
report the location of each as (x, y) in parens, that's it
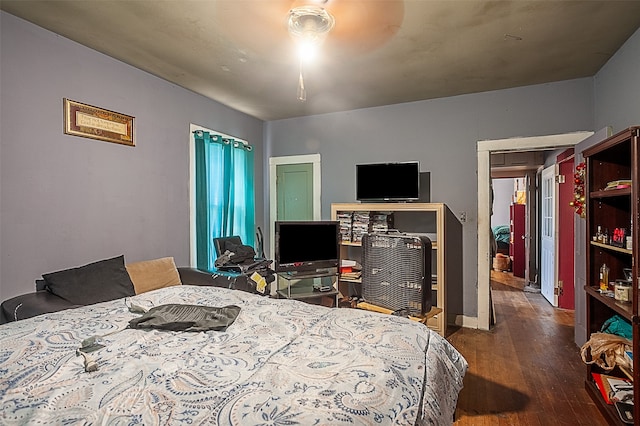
(380, 52)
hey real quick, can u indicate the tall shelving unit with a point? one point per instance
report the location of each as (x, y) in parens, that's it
(611, 206)
(433, 219)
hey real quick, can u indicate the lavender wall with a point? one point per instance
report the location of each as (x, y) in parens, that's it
(617, 88)
(66, 200)
(442, 135)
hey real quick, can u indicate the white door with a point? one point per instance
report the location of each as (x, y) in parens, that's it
(547, 236)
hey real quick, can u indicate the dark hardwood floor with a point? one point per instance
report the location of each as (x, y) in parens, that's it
(526, 370)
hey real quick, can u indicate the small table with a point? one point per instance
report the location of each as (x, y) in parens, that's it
(307, 288)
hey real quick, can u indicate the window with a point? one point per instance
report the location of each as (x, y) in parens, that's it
(547, 206)
(224, 193)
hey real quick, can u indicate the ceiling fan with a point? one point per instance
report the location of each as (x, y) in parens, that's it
(344, 27)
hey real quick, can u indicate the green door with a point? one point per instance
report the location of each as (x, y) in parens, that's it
(294, 189)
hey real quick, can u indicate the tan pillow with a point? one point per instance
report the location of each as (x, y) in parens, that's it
(153, 274)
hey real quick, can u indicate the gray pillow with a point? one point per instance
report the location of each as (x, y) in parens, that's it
(93, 283)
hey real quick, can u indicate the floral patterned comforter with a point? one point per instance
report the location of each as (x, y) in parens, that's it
(282, 362)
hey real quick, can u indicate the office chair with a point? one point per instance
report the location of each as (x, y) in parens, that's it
(222, 244)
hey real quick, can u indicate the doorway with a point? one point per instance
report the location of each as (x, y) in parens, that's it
(288, 165)
(484, 150)
(511, 223)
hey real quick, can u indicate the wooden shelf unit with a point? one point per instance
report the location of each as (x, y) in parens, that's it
(435, 219)
(615, 158)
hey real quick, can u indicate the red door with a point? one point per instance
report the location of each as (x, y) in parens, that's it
(566, 215)
(517, 246)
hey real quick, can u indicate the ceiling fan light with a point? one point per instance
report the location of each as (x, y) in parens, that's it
(307, 52)
(308, 26)
(310, 23)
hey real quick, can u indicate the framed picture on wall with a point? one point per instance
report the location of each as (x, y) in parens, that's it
(97, 123)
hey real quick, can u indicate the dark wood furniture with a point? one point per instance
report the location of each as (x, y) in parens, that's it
(609, 207)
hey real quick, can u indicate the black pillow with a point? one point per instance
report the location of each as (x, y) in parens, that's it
(93, 283)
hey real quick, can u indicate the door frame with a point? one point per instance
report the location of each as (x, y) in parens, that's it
(484, 150)
(274, 162)
(551, 173)
(566, 234)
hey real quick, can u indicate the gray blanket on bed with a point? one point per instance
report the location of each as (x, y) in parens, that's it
(177, 317)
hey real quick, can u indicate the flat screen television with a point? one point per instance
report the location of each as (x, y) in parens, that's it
(388, 181)
(306, 246)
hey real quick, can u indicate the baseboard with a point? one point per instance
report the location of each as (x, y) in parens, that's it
(463, 321)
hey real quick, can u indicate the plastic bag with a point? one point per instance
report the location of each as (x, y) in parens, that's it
(606, 351)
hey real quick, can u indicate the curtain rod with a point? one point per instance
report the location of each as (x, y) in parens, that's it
(228, 139)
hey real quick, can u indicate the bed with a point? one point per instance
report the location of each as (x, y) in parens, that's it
(281, 362)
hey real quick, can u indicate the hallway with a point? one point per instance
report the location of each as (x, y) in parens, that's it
(525, 371)
(507, 278)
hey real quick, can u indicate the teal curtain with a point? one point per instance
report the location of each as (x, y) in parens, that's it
(225, 198)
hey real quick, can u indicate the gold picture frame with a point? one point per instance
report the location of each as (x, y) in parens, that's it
(97, 123)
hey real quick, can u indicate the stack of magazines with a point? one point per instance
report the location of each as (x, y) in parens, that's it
(345, 218)
(360, 226)
(350, 270)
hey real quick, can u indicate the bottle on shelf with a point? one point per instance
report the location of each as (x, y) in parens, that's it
(598, 236)
(604, 277)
